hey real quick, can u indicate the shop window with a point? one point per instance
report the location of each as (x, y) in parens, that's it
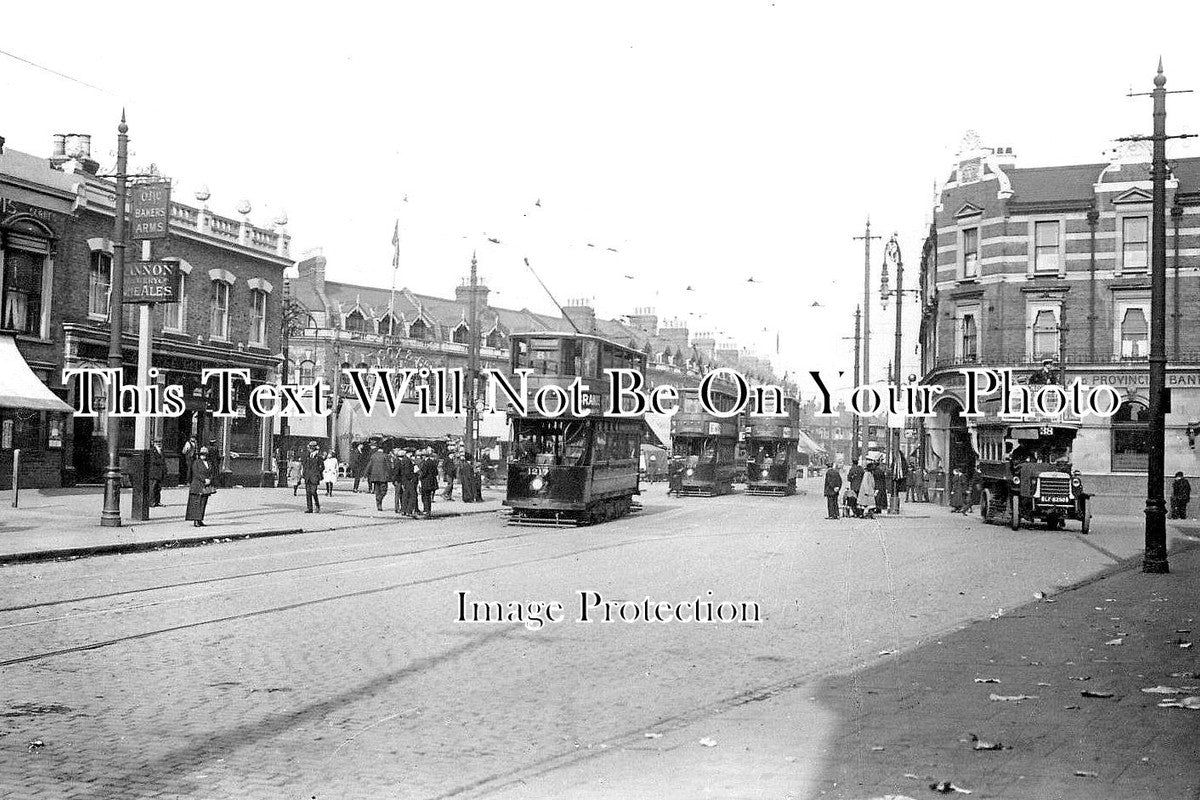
(24, 275)
(219, 321)
(1135, 334)
(22, 429)
(1130, 438)
(99, 285)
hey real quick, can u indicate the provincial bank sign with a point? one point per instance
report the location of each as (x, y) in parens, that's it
(1136, 380)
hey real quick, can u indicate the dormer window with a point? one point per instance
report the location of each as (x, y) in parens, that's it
(387, 325)
(462, 334)
(356, 321)
(495, 339)
(418, 330)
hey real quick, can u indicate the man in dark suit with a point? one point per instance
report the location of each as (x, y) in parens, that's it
(312, 464)
(428, 482)
(833, 486)
(406, 471)
(158, 471)
(379, 475)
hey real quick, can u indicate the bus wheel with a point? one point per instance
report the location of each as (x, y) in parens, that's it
(1087, 518)
(985, 505)
(1014, 511)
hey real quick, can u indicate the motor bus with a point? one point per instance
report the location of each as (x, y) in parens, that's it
(1025, 475)
(703, 444)
(572, 470)
(772, 453)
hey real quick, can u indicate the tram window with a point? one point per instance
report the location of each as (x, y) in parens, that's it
(591, 357)
(544, 356)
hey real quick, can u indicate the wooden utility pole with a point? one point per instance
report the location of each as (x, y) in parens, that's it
(866, 328)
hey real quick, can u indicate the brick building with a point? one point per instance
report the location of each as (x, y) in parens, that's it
(1024, 265)
(351, 325)
(231, 275)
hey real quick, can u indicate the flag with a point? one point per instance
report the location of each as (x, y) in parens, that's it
(396, 246)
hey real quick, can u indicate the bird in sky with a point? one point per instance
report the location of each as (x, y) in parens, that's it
(816, 304)
(751, 280)
(493, 241)
(591, 245)
(689, 289)
(629, 276)
(611, 249)
(538, 203)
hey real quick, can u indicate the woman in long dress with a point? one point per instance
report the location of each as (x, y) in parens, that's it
(201, 487)
(331, 474)
(866, 493)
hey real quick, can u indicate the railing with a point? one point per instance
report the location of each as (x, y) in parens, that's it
(1074, 358)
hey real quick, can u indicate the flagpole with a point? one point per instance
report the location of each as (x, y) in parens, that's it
(395, 269)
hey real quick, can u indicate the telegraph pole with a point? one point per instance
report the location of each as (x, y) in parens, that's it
(110, 517)
(866, 330)
(854, 420)
(1155, 558)
(472, 363)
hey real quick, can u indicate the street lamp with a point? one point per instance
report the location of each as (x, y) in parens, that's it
(891, 252)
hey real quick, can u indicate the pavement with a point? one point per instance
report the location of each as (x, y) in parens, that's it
(53, 524)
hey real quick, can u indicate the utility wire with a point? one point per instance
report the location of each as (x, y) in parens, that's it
(54, 72)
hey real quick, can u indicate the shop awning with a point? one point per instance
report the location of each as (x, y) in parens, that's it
(660, 429)
(405, 424)
(807, 445)
(19, 387)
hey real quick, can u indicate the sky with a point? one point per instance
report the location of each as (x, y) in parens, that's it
(657, 154)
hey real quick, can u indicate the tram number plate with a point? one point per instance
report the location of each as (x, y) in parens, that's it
(543, 470)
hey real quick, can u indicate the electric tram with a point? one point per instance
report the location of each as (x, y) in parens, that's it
(771, 451)
(572, 470)
(704, 444)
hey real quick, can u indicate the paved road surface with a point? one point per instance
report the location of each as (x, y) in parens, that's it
(331, 665)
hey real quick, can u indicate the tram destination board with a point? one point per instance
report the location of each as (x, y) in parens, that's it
(151, 282)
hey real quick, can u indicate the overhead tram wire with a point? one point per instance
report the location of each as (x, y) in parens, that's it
(55, 72)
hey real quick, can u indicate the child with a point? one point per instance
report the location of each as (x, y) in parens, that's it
(295, 473)
(331, 473)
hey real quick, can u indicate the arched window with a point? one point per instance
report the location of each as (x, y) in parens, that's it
(418, 330)
(387, 325)
(307, 368)
(1045, 334)
(1130, 438)
(1135, 334)
(462, 334)
(355, 321)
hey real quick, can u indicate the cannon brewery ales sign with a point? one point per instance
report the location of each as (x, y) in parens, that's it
(151, 209)
(151, 282)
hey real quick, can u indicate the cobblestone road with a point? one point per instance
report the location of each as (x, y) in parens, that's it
(331, 666)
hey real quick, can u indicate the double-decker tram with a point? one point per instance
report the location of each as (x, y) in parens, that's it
(771, 451)
(572, 469)
(703, 444)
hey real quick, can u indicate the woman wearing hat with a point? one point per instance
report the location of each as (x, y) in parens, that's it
(200, 488)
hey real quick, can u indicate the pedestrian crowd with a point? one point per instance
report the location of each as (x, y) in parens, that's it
(868, 484)
(412, 475)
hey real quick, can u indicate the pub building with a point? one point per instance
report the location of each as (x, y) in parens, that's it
(56, 258)
(1028, 265)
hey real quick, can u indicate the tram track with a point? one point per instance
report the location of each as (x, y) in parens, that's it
(260, 573)
(133, 637)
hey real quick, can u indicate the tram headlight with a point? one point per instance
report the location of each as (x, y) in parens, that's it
(691, 472)
(536, 484)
